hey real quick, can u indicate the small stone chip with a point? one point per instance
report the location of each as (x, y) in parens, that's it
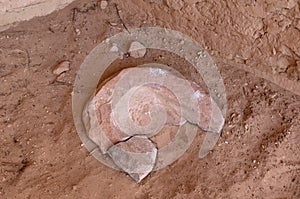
(103, 4)
(135, 156)
(137, 50)
(61, 67)
(114, 48)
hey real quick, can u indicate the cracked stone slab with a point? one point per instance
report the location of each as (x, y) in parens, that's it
(163, 100)
(135, 156)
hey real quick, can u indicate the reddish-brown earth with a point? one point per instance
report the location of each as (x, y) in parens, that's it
(256, 45)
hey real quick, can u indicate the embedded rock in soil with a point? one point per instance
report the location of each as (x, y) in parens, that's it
(151, 103)
(61, 67)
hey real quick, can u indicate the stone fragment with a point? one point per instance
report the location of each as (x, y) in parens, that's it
(114, 49)
(137, 50)
(136, 156)
(113, 23)
(103, 4)
(61, 67)
(77, 31)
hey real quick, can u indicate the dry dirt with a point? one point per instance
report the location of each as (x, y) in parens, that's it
(257, 156)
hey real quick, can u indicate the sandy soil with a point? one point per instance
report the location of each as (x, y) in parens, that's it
(257, 156)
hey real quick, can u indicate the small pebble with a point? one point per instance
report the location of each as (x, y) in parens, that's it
(61, 67)
(103, 4)
(113, 23)
(114, 49)
(77, 31)
(137, 50)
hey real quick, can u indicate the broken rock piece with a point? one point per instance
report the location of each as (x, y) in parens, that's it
(114, 48)
(61, 67)
(136, 156)
(103, 4)
(137, 50)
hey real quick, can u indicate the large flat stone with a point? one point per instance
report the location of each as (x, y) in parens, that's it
(22, 10)
(142, 105)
